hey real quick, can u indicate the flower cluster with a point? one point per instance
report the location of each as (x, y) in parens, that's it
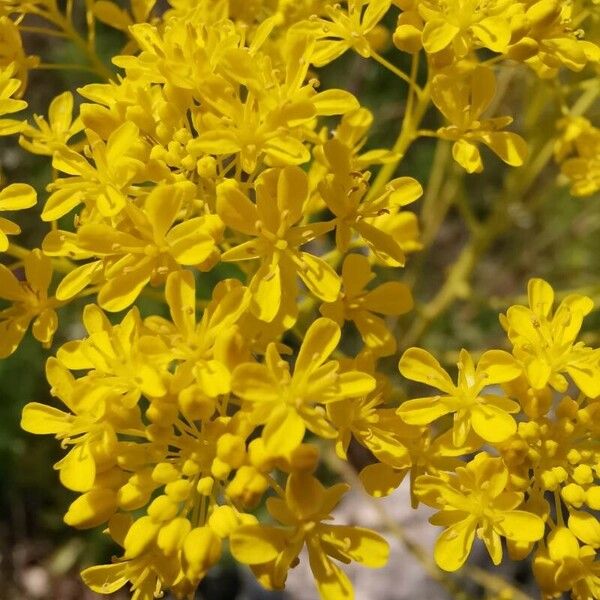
(213, 173)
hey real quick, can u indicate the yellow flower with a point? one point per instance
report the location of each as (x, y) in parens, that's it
(148, 573)
(347, 155)
(582, 169)
(358, 305)
(550, 35)
(17, 196)
(29, 302)
(86, 428)
(344, 194)
(463, 96)
(103, 186)
(148, 244)
(277, 237)
(346, 29)
(373, 426)
(467, 24)
(8, 105)
(120, 361)
(564, 565)
(52, 135)
(272, 551)
(267, 127)
(114, 16)
(202, 348)
(425, 454)
(475, 501)
(487, 414)
(289, 404)
(12, 52)
(545, 341)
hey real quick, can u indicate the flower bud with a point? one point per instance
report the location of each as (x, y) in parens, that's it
(201, 550)
(92, 508)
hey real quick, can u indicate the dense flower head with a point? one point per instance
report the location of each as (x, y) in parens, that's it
(209, 171)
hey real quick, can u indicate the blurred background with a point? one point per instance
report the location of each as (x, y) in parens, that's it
(542, 232)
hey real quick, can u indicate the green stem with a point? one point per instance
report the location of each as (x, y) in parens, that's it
(408, 131)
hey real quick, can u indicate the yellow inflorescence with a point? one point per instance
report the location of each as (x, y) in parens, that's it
(205, 150)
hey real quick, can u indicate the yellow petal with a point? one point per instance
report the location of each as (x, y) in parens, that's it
(106, 579)
(334, 102)
(254, 383)
(79, 278)
(586, 527)
(321, 339)
(521, 526)
(283, 432)
(419, 365)
(235, 209)
(318, 276)
(256, 544)
(78, 469)
(304, 494)
(510, 147)
(17, 197)
(453, 547)
(38, 269)
(120, 292)
(390, 298)
(422, 411)
(541, 296)
(381, 480)
(266, 292)
(492, 423)
(499, 367)
(358, 544)
(42, 419)
(438, 34)
(493, 33)
(467, 156)
(292, 192)
(191, 242)
(332, 582)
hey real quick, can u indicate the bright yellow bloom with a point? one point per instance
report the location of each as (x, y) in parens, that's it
(272, 551)
(289, 404)
(344, 194)
(29, 302)
(273, 223)
(103, 186)
(488, 414)
(462, 97)
(373, 426)
(467, 24)
(582, 169)
(358, 305)
(268, 127)
(8, 104)
(114, 16)
(13, 53)
(17, 196)
(84, 428)
(545, 342)
(564, 565)
(121, 363)
(550, 35)
(149, 244)
(49, 136)
(203, 347)
(346, 29)
(475, 501)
